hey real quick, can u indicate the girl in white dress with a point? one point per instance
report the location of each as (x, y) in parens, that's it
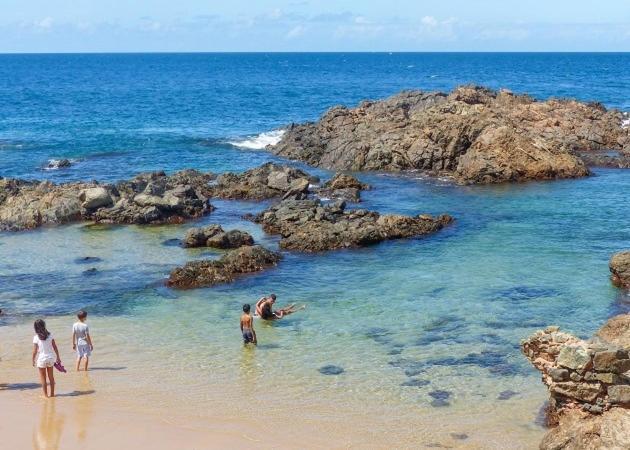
(45, 355)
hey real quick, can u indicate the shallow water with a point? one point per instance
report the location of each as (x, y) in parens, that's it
(449, 309)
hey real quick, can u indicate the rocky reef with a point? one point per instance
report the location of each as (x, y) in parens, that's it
(589, 385)
(214, 236)
(311, 226)
(473, 134)
(235, 263)
(620, 269)
(149, 198)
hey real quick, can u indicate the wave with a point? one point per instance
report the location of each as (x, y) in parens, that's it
(261, 141)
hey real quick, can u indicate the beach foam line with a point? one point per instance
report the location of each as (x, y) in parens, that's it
(260, 141)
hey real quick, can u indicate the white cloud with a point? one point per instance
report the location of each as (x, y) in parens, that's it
(429, 21)
(45, 24)
(295, 32)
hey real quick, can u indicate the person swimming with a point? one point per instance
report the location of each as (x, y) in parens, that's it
(264, 308)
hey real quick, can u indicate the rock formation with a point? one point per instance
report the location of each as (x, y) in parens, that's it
(589, 385)
(311, 226)
(473, 134)
(620, 269)
(214, 236)
(268, 181)
(147, 198)
(244, 260)
(342, 187)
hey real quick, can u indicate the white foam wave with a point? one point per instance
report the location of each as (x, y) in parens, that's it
(625, 123)
(261, 141)
(55, 164)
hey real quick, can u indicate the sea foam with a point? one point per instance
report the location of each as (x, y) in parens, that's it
(261, 141)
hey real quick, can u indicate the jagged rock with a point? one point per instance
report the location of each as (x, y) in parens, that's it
(311, 226)
(579, 430)
(473, 134)
(146, 198)
(589, 386)
(342, 187)
(58, 164)
(237, 262)
(620, 269)
(616, 331)
(214, 236)
(268, 181)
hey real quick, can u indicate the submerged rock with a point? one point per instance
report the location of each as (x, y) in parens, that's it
(244, 260)
(267, 181)
(620, 269)
(474, 134)
(150, 198)
(589, 385)
(331, 370)
(311, 226)
(214, 236)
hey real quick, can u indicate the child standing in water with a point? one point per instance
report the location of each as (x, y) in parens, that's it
(45, 349)
(247, 326)
(81, 340)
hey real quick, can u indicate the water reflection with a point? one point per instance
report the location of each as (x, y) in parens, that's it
(47, 433)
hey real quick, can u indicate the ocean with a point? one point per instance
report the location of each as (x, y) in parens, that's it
(425, 328)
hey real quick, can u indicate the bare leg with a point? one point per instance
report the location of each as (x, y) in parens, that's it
(51, 379)
(78, 363)
(87, 360)
(42, 380)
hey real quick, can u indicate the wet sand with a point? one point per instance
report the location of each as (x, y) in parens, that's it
(160, 400)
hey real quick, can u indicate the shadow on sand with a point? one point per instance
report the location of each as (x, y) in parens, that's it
(76, 393)
(106, 368)
(19, 386)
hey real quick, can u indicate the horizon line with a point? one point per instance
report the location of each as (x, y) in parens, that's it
(321, 52)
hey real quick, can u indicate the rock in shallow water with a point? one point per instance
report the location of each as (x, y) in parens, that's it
(235, 263)
(620, 269)
(149, 198)
(214, 236)
(474, 134)
(310, 226)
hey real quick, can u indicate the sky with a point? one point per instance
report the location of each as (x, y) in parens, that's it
(310, 25)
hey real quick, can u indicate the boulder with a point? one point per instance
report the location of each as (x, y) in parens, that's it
(620, 269)
(616, 331)
(311, 226)
(244, 260)
(214, 236)
(472, 134)
(94, 198)
(267, 181)
(342, 187)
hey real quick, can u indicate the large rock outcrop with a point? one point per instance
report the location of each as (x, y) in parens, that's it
(311, 226)
(473, 134)
(267, 181)
(233, 264)
(620, 269)
(589, 385)
(214, 236)
(153, 198)
(342, 187)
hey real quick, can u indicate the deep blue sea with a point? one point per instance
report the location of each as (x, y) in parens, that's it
(519, 257)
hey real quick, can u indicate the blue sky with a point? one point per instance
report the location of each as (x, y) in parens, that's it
(323, 25)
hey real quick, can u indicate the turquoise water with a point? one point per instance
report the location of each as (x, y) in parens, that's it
(450, 308)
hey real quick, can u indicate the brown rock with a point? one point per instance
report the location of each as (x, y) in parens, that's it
(214, 236)
(473, 134)
(619, 394)
(620, 269)
(235, 263)
(617, 331)
(586, 392)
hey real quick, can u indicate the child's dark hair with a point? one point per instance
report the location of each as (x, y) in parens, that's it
(40, 329)
(246, 308)
(82, 314)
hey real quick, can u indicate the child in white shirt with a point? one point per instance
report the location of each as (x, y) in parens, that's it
(81, 339)
(45, 349)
